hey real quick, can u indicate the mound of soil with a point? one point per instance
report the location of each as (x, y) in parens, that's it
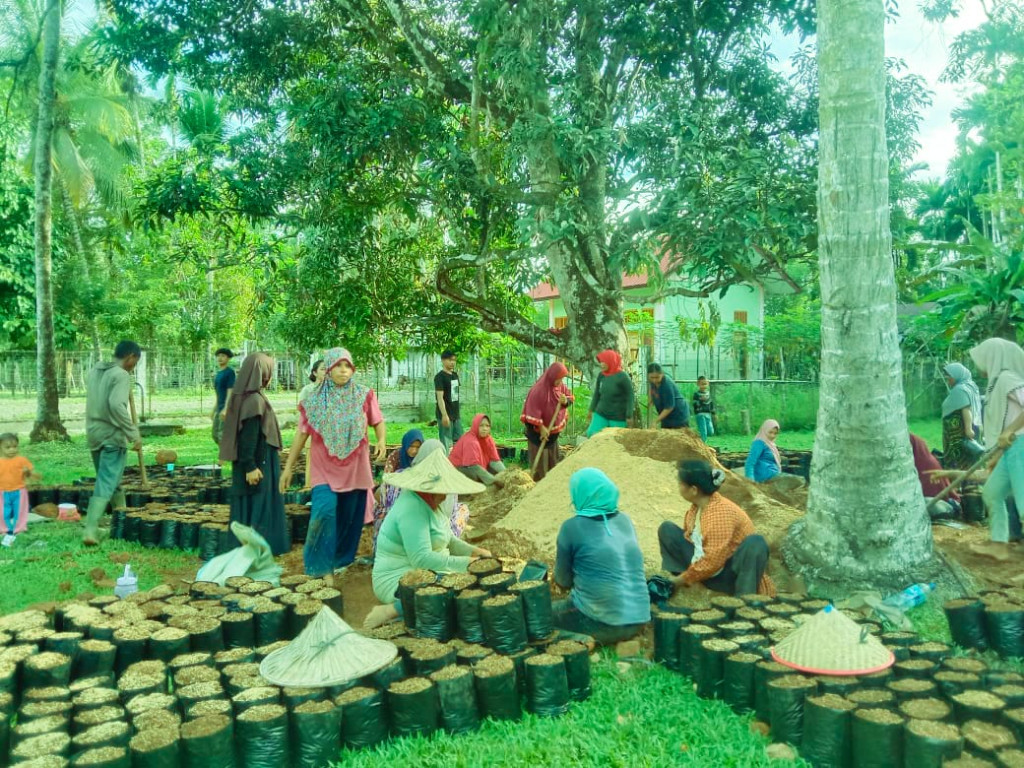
(642, 464)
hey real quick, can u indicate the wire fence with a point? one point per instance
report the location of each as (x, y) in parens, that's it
(179, 385)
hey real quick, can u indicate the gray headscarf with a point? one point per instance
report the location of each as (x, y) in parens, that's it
(964, 393)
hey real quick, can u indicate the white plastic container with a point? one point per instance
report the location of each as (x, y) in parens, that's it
(127, 583)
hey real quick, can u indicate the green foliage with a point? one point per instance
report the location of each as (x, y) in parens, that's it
(17, 262)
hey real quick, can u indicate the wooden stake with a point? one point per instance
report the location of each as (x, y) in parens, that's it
(135, 421)
(994, 453)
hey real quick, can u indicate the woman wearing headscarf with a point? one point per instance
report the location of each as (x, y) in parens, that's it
(764, 461)
(1002, 362)
(612, 403)
(398, 461)
(417, 534)
(961, 417)
(336, 417)
(599, 559)
(317, 374)
(548, 397)
(252, 442)
(929, 473)
(717, 545)
(673, 412)
(476, 456)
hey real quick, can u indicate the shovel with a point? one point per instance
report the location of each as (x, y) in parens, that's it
(544, 442)
(993, 453)
(135, 421)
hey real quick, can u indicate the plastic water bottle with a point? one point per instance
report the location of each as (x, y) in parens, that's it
(910, 597)
(127, 583)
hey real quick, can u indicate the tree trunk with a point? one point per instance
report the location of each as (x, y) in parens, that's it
(866, 524)
(48, 425)
(87, 268)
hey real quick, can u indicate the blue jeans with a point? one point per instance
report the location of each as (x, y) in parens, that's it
(449, 435)
(599, 422)
(335, 526)
(109, 462)
(12, 506)
(705, 425)
(1007, 479)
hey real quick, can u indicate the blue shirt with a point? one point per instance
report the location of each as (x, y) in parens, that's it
(222, 383)
(761, 465)
(666, 395)
(606, 573)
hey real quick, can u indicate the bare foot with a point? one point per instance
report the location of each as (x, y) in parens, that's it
(380, 616)
(997, 550)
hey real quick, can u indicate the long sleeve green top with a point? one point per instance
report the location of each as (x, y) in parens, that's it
(613, 397)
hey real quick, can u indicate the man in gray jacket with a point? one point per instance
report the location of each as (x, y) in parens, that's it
(110, 430)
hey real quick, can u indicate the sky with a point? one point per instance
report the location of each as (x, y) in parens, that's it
(924, 46)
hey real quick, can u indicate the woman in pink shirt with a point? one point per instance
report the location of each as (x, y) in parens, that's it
(337, 417)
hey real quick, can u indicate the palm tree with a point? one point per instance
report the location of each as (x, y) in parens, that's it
(866, 523)
(48, 425)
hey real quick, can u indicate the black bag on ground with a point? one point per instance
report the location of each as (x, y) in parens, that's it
(457, 696)
(496, 688)
(666, 637)
(363, 722)
(711, 672)
(209, 540)
(208, 742)
(577, 667)
(877, 737)
(169, 533)
(1004, 628)
(827, 732)
(738, 681)
(504, 623)
(966, 619)
(315, 734)
(434, 613)
(929, 744)
(786, 701)
(547, 687)
(262, 736)
(536, 596)
(156, 748)
(413, 706)
(467, 612)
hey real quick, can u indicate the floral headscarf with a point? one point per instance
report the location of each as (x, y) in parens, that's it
(337, 413)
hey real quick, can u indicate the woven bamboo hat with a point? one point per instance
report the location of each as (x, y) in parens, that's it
(831, 643)
(435, 474)
(327, 652)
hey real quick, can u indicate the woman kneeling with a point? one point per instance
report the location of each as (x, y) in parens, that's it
(600, 559)
(717, 545)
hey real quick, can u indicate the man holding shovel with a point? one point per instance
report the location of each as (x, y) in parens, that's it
(110, 429)
(545, 414)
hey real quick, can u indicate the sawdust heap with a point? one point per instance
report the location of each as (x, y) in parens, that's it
(642, 464)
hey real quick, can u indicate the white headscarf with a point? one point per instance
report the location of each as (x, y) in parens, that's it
(1003, 364)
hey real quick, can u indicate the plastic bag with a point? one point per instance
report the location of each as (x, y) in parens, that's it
(786, 703)
(262, 736)
(156, 748)
(928, 745)
(315, 734)
(547, 687)
(877, 736)
(827, 733)
(967, 623)
(659, 589)
(363, 723)
(208, 742)
(457, 696)
(711, 672)
(169, 533)
(253, 559)
(467, 611)
(504, 623)
(536, 596)
(497, 692)
(414, 707)
(738, 681)
(577, 667)
(434, 613)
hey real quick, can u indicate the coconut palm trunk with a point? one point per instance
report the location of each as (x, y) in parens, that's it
(866, 523)
(48, 425)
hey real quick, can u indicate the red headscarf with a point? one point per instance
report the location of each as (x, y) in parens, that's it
(924, 461)
(473, 450)
(542, 400)
(612, 359)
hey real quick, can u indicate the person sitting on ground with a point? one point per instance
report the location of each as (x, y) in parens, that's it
(669, 405)
(599, 559)
(764, 462)
(416, 534)
(932, 482)
(717, 545)
(704, 408)
(612, 403)
(476, 456)
(398, 461)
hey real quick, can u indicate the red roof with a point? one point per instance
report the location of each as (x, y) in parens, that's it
(546, 291)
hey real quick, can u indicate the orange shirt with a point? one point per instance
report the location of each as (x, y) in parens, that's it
(12, 473)
(723, 527)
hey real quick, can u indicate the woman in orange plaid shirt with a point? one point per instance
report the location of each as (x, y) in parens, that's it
(717, 545)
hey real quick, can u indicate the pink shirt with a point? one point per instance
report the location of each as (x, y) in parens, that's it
(354, 472)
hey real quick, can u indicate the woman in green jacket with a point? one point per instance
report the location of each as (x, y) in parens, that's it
(612, 404)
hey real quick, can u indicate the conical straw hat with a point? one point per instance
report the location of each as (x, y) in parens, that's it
(327, 652)
(435, 474)
(831, 643)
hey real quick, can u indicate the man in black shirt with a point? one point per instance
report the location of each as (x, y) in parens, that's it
(223, 381)
(446, 389)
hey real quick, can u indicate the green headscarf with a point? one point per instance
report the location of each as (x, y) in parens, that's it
(594, 495)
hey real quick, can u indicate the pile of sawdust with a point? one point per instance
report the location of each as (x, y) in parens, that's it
(642, 464)
(488, 509)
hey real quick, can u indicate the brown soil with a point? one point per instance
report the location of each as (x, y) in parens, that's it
(925, 709)
(544, 660)
(986, 736)
(153, 739)
(934, 730)
(872, 697)
(493, 666)
(157, 720)
(451, 672)
(355, 694)
(832, 701)
(880, 716)
(793, 681)
(101, 756)
(744, 658)
(263, 713)
(410, 686)
(979, 699)
(975, 666)
(204, 726)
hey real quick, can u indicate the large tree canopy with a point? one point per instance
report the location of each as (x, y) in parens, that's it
(571, 140)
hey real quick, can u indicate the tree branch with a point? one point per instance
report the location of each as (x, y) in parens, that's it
(776, 265)
(496, 320)
(463, 260)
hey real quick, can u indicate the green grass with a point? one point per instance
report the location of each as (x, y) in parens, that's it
(646, 716)
(803, 440)
(49, 564)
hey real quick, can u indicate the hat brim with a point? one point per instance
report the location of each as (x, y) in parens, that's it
(435, 474)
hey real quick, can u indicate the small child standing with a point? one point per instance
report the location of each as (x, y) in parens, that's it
(14, 471)
(704, 408)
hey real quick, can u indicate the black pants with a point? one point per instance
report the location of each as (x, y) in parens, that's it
(739, 576)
